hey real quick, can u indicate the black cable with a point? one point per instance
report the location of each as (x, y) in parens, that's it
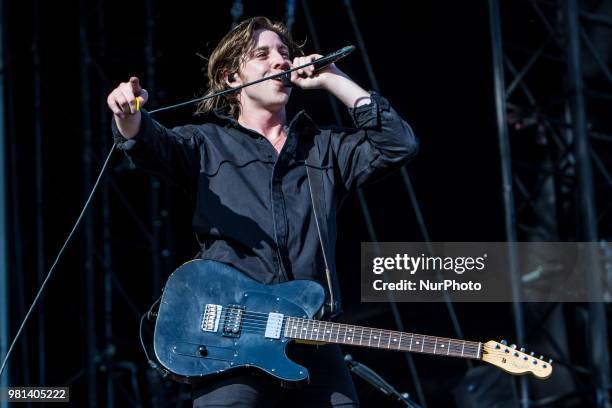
(61, 251)
(149, 314)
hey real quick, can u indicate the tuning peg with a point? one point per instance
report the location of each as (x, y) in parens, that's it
(504, 342)
(513, 346)
(522, 349)
(550, 360)
(541, 357)
(532, 354)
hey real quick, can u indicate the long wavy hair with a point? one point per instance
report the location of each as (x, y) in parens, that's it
(230, 53)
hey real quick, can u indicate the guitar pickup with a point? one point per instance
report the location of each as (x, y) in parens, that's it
(232, 322)
(212, 316)
(274, 325)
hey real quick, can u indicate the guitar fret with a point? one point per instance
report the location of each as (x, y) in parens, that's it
(400, 342)
(300, 329)
(411, 339)
(435, 346)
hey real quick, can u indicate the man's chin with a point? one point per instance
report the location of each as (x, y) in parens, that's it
(279, 102)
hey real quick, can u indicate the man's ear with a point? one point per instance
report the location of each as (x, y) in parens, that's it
(233, 79)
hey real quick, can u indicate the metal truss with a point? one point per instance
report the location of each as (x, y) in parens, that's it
(552, 89)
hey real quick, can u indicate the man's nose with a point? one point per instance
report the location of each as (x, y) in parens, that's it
(280, 62)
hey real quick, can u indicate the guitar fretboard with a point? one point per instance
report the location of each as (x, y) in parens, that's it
(330, 332)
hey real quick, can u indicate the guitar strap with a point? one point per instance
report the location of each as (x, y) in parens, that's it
(316, 187)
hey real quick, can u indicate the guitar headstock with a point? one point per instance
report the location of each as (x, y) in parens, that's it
(515, 361)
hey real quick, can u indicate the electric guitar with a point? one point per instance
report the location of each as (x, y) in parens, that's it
(213, 319)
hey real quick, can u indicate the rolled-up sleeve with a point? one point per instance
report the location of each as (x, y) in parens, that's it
(172, 154)
(382, 142)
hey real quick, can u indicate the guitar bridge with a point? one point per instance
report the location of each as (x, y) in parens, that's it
(212, 316)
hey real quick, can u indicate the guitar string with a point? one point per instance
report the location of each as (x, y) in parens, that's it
(383, 333)
(264, 317)
(533, 368)
(263, 320)
(428, 350)
(384, 337)
(471, 348)
(311, 335)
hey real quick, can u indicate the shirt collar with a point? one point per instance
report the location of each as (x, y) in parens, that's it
(301, 122)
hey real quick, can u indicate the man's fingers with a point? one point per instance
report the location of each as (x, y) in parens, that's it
(308, 71)
(127, 98)
(117, 110)
(128, 102)
(113, 105)
(135, 84)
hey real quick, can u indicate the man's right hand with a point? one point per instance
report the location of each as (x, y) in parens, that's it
(122, 101)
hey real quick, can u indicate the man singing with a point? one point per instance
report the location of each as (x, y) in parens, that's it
(246, 168)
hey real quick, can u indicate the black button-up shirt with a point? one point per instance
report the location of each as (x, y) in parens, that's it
(253, 208)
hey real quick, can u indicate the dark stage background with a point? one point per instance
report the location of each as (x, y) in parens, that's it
(432, 60)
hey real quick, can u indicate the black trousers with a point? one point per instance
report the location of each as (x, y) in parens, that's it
(330, 384)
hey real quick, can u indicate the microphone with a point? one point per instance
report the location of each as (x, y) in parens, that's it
(333, 57)
(320, 63)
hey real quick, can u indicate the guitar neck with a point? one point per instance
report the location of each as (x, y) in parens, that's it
(339, 333)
